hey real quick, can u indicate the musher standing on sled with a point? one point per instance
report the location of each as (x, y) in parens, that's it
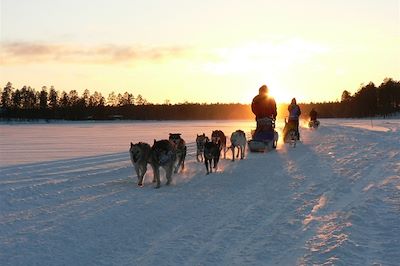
(294, 113)
(313, 115)
(263, 106)
(313, 123)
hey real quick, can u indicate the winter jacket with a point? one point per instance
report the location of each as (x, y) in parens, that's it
(294, 112)
(313, 115)
(264, 106)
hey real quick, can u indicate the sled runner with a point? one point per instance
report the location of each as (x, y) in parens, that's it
(264, 138)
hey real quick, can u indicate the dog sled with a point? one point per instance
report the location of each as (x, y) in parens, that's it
(313, 124)
(264, 138)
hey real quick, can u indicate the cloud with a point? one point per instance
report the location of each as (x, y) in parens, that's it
(264, 56)
(27, 52)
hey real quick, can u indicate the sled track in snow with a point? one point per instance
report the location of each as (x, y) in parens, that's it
(334, 199)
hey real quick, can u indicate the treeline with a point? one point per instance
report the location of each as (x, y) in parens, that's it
(27, 103)
(368, 101)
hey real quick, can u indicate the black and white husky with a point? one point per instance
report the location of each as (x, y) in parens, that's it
(180, 147)
(212, 153)
(163, 154)
(219, 136)
(200, 141)
(140, 155)
(238, 139)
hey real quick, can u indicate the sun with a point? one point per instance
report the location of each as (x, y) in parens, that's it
(280, 95)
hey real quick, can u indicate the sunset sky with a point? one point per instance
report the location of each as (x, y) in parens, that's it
(201, 51)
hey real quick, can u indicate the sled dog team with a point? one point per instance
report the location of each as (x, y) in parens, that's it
(170, 153)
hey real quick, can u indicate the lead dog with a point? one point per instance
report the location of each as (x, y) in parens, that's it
(163, 154)
(219, 136)
(140, 155)
(180, 147)
(200, 141)
(238, 139)
(212, 152)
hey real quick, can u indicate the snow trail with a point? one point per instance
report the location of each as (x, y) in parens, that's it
(334, 199)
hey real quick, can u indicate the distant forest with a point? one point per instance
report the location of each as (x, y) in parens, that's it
(48, 103)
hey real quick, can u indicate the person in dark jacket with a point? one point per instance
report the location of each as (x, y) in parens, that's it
(264, 108)
(263, 105)
(294, 114)
(313, 115)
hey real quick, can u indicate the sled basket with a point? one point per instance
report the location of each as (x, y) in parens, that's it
(266, 141)
(264, 136)
(257, 146)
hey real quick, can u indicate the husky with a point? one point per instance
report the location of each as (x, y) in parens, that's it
(238, 139)
(313, 124)
(289, 133)
(180, 147)
(200, 141)
(140, 156)
(162, 154)
(219, 136)
(212, 152)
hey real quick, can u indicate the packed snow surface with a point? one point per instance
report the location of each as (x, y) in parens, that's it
(69, 196)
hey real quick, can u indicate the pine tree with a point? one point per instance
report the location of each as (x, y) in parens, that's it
(53, 98)
(6, 96)
(43, 101)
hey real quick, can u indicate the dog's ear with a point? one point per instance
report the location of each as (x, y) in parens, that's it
(154, 141)
(131, 144)
(204, 134)
(170, 134)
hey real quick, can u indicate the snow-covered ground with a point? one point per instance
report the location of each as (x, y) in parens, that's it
(68, 196)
